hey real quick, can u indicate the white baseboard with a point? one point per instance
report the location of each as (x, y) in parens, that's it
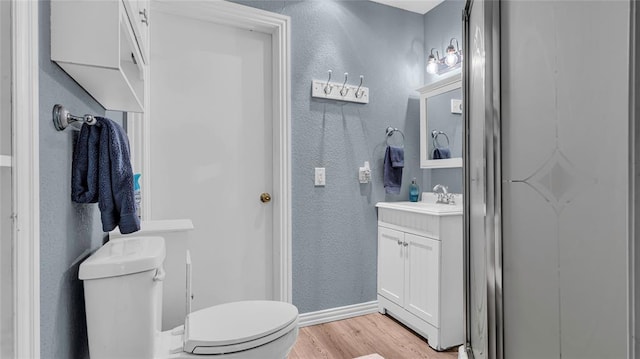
(333, 314)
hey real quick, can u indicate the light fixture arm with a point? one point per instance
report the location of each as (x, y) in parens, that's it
(457, 45)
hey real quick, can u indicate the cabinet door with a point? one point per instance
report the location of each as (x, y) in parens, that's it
(422, 273)
(138, 13)
(391, 264)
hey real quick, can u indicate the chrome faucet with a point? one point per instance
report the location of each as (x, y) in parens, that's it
(443, 195)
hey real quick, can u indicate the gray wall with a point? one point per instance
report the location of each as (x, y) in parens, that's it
(440, 25)
(335, 227)
(68, 231)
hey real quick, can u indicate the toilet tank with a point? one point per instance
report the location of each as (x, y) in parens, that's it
(123, 297)
(176, 235)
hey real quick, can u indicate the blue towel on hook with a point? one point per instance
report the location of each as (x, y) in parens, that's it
(101, 172)
(393, 165)
(441, 153)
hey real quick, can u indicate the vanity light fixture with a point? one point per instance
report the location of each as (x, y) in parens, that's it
(452, 54)
(452, 59)
(433, 63)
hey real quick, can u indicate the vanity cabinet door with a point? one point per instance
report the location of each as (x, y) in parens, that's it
(422, 273)
(391, 264)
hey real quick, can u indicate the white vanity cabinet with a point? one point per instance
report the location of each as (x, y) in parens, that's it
(102, 45)
(420, 278)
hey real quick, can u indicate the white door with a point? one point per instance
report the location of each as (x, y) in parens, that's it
(211, 151)
(391, 264)
(422, 273)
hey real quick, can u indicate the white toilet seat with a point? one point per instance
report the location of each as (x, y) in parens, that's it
(237, 326)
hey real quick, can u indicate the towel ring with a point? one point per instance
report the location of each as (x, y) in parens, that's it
(435, 134)
(390, 131)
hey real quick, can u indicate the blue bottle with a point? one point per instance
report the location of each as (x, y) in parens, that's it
(414, 191)
(137, 196)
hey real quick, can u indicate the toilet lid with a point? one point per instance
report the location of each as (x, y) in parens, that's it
(237, 326)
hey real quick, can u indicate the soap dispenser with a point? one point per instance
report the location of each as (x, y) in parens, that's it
(414, 191)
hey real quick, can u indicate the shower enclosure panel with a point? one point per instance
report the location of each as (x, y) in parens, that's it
(566, 188)
(6, 206)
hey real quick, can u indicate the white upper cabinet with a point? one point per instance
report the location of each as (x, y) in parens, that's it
(103, 46)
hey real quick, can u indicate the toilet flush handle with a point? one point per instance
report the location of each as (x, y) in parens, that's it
(159, 276)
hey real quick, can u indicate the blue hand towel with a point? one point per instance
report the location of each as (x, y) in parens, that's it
(101, 172)
(393, 164)
(441, 153)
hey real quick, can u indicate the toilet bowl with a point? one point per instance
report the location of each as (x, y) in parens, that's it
(123, 299)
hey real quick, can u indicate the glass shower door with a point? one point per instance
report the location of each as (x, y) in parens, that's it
(549, 204)
(565, 179)
(6, 186)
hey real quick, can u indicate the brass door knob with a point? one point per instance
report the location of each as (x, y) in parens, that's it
(265, 197)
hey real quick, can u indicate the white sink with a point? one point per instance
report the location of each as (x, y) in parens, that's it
(427, 205)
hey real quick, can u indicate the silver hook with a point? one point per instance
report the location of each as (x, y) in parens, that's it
(327, 87)
(358, 92)
(342, 90)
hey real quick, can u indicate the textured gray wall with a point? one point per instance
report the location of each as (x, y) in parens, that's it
(440, 25)
(335, 227)
(68, 231)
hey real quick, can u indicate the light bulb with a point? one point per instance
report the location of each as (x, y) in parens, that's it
(432, 67)
(432, 64)
(451, 59)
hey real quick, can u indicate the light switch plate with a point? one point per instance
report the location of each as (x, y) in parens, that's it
(456, 106)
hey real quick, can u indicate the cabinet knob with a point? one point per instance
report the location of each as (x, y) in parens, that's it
(399, 242)
(405, 244)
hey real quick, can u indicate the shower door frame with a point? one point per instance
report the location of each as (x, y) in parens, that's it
(492, 174)
(25, 177)
(633, 325)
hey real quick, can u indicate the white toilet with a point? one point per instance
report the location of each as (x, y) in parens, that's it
(123, 298)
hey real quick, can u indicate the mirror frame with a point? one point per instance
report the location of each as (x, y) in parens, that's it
(434, 89)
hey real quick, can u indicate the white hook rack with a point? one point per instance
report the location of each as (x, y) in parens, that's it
(340, 91)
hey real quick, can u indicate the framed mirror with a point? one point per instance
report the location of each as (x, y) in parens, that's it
(441, 124)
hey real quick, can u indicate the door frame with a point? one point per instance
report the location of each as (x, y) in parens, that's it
(25, 177)
(140, 126)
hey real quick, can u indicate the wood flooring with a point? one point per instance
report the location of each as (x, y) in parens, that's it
(368, 334)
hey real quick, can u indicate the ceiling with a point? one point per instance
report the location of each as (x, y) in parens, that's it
(418, 6)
